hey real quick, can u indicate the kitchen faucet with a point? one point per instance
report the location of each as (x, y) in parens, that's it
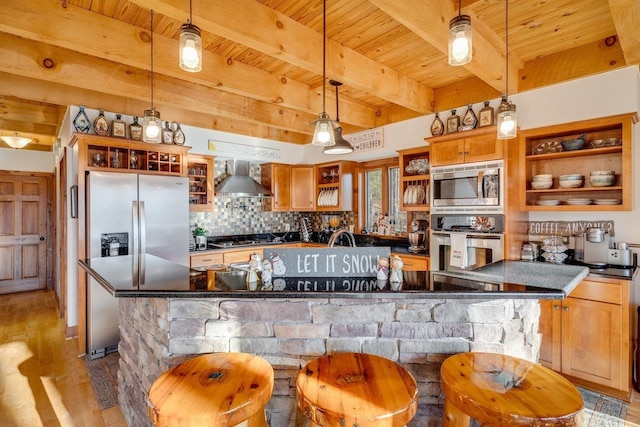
(338, 233)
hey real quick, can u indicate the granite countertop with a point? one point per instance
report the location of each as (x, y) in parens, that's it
(165, 279)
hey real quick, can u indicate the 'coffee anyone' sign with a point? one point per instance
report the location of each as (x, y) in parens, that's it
(326, 262)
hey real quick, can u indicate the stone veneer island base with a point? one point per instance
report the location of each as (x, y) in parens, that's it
(157, 333)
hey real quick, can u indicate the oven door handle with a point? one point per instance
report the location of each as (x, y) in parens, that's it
(469, 235)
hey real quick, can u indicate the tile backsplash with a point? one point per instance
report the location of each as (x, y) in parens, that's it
(234, 215)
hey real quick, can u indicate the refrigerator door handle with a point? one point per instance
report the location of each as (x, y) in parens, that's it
(143, 229)
(136, 243)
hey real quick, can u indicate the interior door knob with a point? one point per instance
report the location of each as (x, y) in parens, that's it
(42, 238)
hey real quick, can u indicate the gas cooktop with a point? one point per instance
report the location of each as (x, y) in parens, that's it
(236, 243)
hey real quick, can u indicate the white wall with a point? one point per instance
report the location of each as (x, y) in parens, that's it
(26, 160)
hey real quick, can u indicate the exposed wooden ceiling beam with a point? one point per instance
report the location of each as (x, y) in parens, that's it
(247, 21)
(48, 22)
(48, 91)
(626, 18)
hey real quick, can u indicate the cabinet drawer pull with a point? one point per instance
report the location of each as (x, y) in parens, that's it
(565, 308)
(556, 307)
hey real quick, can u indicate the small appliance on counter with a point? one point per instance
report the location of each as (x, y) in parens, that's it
(418, 236)
(201, 243)
(596, 248)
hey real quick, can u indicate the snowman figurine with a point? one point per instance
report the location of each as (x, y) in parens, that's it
(267, 272)
(383, 269)
(396, 272)
(278, 265)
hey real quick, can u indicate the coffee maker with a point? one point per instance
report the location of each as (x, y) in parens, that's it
(596, 249)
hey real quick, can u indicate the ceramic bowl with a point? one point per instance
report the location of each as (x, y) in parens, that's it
(541, 185)
(572, 144)
(602, 180)
(570, 183)
(602, 173)
(570, 177)
(543, 177)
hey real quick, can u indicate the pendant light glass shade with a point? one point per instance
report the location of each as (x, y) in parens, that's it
(16, 141)
(507, 122)
(323, 134)
(506, 113)
(460, 40)
(151, 123)
(190, 48)
(151, 126)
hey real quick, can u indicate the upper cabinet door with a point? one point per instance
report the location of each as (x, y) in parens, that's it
(303, 188)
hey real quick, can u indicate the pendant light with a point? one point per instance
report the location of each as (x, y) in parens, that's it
(15, 141)
(460, 39)
(323, 135)
(190, 45)
(151, 123)
(342, 146)
(506, 113)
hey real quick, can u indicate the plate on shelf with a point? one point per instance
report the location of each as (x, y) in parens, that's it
(548, 202)
(607, 201)
(579, 201)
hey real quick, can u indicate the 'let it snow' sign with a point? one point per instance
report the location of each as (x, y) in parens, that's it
(326, 262)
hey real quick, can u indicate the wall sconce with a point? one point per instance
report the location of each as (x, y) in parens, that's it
(460, 39)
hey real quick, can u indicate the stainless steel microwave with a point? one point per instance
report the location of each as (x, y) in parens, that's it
(470, 187)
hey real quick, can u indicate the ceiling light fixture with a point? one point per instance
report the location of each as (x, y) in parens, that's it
(506, 115)
(151, 123)
(16, 141)
(460, 39)
(323, 135)
(190, 45)
(342, 146)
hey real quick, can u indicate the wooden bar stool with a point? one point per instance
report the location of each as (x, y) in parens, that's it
(356, 390)
(500, 390)
(221, 389)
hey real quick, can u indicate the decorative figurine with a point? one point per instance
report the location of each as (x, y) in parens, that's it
(383, 269)
(278, 266)
(252, 275)
(437, 127)
(396, 273)
(453, 122)
(267, 273)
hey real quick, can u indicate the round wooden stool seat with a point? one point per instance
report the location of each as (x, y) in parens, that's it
(500, 390)
(355, 389)
(221, 389)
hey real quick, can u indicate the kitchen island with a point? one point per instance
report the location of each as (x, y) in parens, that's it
(171, 313)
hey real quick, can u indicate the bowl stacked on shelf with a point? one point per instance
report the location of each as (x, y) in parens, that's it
(573, 180)
(602, 178)
(542, 181)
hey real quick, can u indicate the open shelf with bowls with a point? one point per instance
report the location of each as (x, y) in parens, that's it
(579, 166)
(414, 179)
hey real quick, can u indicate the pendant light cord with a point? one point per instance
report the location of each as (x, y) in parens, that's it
(151, 79)
(506, 38)
(337, 106)
(324, 53)
(190, 12)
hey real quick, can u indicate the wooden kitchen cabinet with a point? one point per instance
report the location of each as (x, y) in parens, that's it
(104, 153)
(476, 145)
(334, 189)
(414, 262)
(303, 185)
(587, 336)
(277, 178)
(541, 157)
(206, 259)
(410, 179)
(200, 173)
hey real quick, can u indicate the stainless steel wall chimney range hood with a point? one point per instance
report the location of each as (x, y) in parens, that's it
(239, 183)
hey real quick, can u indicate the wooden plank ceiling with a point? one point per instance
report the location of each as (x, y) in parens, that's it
(262, 65)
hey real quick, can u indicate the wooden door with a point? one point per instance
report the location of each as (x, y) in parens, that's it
(591, 341)
(551, 330)
(482, 148)
(23, 231)
(447, 152)
(303, 188)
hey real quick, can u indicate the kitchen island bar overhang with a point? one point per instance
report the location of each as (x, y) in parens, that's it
(168, 320)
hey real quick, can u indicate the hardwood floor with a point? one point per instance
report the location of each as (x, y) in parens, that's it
(44, 383)
(42, 380)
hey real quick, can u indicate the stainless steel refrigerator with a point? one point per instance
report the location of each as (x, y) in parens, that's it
(130, 214)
